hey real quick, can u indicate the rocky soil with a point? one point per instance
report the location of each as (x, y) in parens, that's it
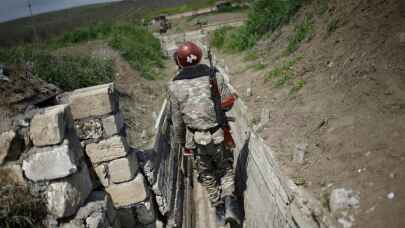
(348, 118)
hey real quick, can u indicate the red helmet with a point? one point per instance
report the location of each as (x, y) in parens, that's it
(187, 54)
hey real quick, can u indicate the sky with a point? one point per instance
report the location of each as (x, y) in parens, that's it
(13, 9)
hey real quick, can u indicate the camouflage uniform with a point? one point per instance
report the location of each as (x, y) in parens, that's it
(194, 121)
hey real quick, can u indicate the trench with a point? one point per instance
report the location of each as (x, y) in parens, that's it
(269, 198)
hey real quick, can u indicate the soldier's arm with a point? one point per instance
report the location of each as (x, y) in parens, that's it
(228, 94)
(177, 120)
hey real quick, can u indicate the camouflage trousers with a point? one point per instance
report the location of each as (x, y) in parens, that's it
(215, 171)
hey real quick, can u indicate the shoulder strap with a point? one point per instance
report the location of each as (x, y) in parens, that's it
(192, 72)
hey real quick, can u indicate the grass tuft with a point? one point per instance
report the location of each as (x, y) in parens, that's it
(303, 31)
(281, 75)
(18, 207)
(332, 25)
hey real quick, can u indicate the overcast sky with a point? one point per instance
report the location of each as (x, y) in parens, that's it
(12, 9)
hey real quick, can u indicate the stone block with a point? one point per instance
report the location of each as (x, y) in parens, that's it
(65, 196)
(6, 140)
(129, 193)
(113, 124)
(48, 163)
(126, 218)
(73, 224)
(98, 201)
(102, 174)
(341, 198)
(93, 101)
(49, 125)
(123, 169)
(89, 128)
(97, 220)
(145, 212)
(107, 150)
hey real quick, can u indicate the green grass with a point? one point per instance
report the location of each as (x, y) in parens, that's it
(217, 38)
(135, 43)
(264, 16)
(281, 75)
(297, 86)
(303, 31)
(251, 56)
(259, 66)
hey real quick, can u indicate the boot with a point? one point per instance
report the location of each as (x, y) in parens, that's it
(220, 214)
(232, 211)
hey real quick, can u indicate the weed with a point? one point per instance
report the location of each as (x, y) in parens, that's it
(325, 198)
(259, 66)
(322, 6)
(281, 75)
(251, 56)
(303, 32)
(218, 37)
(332, 25)
(298, 85)
(18, 207)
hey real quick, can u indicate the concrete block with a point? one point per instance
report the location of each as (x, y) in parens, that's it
(107, 150)
(48, 163)
(6, 140)
(113, 124)
(93, 101)
(123, 169)
(341, 198)
(126, 218)
(65, 196)
(129, 193)
(102, 174)
(49, 125)
(89, 128)
(145, 212)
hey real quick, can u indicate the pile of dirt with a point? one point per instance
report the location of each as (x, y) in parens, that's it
(21, 92)
(349, 110)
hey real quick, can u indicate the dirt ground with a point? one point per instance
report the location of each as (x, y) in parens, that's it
(350, 111)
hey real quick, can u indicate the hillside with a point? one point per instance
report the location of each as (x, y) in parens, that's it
(340, 96)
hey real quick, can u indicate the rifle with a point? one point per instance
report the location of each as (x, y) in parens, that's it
(221, 117)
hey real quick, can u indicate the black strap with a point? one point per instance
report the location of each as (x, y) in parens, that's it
(191, 72)
(210, 130)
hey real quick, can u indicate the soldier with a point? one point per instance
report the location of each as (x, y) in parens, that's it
(197, 129)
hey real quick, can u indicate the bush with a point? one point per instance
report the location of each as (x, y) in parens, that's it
(218, 37)
(264, 16)
(18, 207)
(73, 72)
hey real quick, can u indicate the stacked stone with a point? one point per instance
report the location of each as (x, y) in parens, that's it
(55, 162)
(100, 127)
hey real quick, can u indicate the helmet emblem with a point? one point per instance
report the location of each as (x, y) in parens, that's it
(191, 58)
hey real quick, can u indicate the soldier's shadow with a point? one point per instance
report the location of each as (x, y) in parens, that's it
(242, 176)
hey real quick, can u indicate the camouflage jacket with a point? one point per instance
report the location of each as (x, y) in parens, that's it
(191, 105)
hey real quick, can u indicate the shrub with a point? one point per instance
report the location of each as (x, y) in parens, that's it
(218, 37)
(72, 72)
(302, 32)
(18, 207)
(264, 16)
